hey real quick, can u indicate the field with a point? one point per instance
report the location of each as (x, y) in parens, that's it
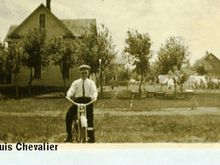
(148, 120)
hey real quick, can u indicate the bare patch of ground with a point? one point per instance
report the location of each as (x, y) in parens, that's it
(126, 112)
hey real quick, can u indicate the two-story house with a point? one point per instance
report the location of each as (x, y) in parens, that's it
(42, 17)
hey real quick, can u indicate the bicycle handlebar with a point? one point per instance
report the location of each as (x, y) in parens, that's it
(86, 104)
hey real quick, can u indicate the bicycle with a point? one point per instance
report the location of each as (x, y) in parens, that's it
(80, 125)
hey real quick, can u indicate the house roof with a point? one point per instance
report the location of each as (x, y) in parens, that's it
(78, 26)
(207, 57)
(12, 27)
(211, 62)
(73, 27)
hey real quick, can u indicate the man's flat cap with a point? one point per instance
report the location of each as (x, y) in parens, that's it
(84, 67)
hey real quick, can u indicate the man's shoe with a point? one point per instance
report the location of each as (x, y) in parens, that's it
(92, 140)
(68, 140)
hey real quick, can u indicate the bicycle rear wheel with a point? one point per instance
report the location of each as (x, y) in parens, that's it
(76, 131)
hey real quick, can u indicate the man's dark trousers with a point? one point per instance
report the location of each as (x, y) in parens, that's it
(72, 114)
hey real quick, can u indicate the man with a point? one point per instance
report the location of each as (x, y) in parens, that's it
(82, 90)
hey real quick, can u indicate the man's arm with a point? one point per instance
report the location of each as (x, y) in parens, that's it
(94, 91)
(72, 100)
(71, 91)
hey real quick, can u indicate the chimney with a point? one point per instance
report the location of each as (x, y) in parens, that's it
(48, 4)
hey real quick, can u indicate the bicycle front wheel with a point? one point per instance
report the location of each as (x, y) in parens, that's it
(84, 138)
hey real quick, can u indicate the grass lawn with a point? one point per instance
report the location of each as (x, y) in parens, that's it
(42, 120)
(158, 129)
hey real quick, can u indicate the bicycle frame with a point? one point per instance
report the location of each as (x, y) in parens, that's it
(81, 121)
(82, 124)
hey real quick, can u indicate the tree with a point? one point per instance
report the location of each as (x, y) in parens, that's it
(87, 54)
(96, 44)
(97, 50)
(34, 53)
(202, 66)
(173, 54)
(3, 59)
(200, 69)
(64, 54)
(137, 51)
(14, 60)
(110, 74)
(124, 75)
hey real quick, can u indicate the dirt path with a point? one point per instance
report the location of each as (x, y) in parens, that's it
(125, 112)
(164, 111)
(34, 113)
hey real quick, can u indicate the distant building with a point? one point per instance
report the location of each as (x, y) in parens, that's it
(42, 17)
(211, 65)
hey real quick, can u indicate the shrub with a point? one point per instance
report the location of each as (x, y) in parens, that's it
(124, 94)
(106, 95)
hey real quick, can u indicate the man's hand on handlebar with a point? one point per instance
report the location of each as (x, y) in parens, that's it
(77, 104)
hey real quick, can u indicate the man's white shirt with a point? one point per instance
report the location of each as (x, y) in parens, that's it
(76, 89)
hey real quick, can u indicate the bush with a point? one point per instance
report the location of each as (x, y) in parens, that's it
(106, 95)
(125, 94)
(122, 83)
(9, 91)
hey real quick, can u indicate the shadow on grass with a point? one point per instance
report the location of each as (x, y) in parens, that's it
(10, 92)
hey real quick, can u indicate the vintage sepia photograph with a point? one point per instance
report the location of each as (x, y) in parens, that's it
(109, 71)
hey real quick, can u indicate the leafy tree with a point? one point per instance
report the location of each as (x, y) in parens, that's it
(34, 52)
(96, 44)
(202, 66)
(173, 54)
(87, 54)
(64, 54)
(137, 51)
(200, 69)
(97, 50)
(14, 60)
(124, 75)
(3, 59)
(110, 74)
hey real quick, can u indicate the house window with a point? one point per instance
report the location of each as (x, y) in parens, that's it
(42, 21)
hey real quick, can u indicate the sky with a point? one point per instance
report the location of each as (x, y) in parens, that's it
(196, 21)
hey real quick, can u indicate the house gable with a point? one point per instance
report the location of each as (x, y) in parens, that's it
(211, 57)
(212, 64)
(53, 26)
